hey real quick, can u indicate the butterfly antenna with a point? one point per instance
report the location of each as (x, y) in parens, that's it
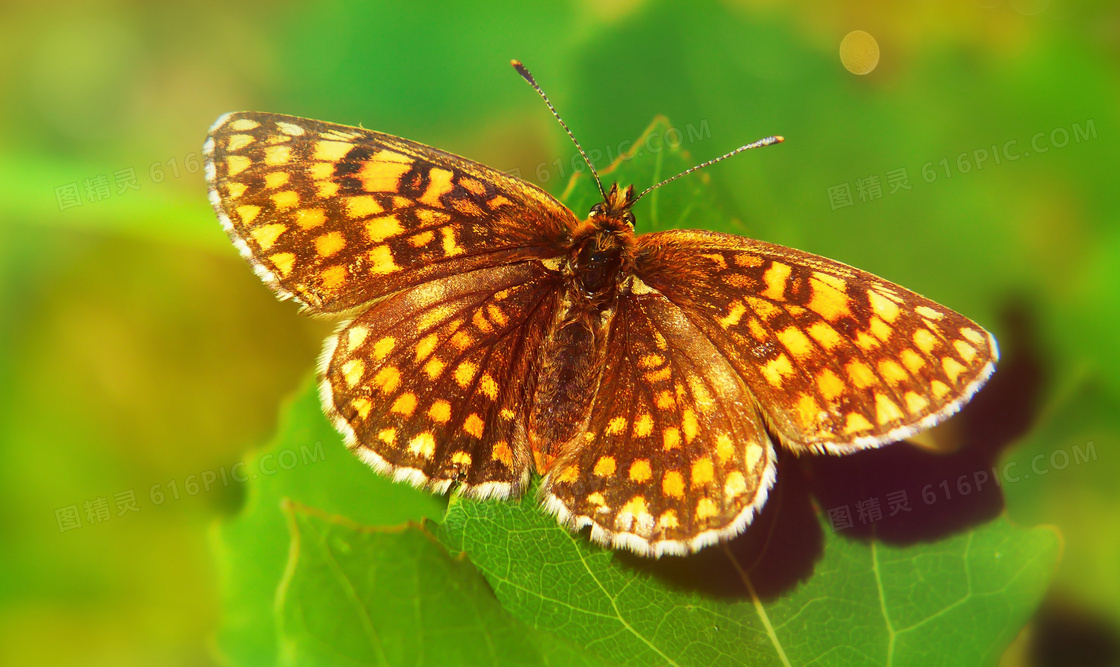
(756, 144)
(532, 82)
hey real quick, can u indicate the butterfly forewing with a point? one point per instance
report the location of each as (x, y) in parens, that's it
(675, 455)
(432, 384)
(335, 216)
(837, 358)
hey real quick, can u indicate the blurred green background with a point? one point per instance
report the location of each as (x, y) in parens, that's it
(141, 357)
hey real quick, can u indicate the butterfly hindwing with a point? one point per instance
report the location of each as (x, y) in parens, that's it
(432, 384)
(675, 455)
(838, 359)
(336, 216)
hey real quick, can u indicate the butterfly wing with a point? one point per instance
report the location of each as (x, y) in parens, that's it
(675, 455)
(335, 216)
(838, 359)
(431, 385)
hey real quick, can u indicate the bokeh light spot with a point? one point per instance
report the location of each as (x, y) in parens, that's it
(859, 52)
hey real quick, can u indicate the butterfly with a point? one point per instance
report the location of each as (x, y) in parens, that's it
(489, 332)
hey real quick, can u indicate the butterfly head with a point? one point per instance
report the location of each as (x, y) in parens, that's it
(613, 213)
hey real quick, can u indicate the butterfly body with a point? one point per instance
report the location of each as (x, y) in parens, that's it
(488, 333)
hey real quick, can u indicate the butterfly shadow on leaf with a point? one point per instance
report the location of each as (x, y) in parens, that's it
(946, 492)
(782, 545)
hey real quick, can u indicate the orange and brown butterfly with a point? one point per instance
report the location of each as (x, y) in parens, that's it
(489, 333)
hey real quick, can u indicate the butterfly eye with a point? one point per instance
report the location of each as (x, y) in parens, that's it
(629, 218)
(596, 210)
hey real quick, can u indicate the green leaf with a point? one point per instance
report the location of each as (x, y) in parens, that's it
(957, 601)
(356, 595)
(307, 463)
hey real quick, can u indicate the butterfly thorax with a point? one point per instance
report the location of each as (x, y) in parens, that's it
(603, 247)
(601, 257)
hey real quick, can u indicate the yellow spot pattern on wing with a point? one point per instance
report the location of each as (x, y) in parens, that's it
(405, 404)
(796, 342)
(423, 445)
(464, 374)
(882, 306)
(725, 449)
(733, 316)
(235, 164)
(266, 235)
(736, 485)
(689, 424)
(488, 386)
(825, 335)
(329, 243)
(892, 372)
(885, 410)
(775, 278)
(966, 351)
(440, 412)
(332, 151)
(829, 385)
(673, 484)
(425, 346)
(953, 368)
(974, 336)
(915, 402)
(502, 453)
(388, 379)
(604, 467)
(352, 371)
(703, 471)
(643, 426)
(640, 471)
(880, 329)
(285, 200)
(362, 206)
(248, 213)
(309, 218)
(434, 368)
(828, 301)
(283, 261)
(665, 400)
(332, 277)
(275, 156)
(275, 179)
(857, 422)
(383, 347)
(361, 406)
(616, 426)
(450, 246)
(356, 336)
(244, 124)
(439, 184)
(382, 176)
(777, 370)
(860, 375)
(912, 360)
(706, 509)
(929, 313)
(381, 260)
(925, 340)
(474, 425)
